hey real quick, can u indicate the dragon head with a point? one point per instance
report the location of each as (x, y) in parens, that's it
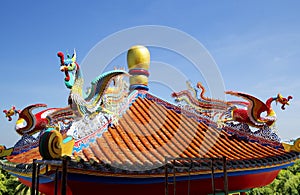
(284, 101)
(69, 66)
(9, 113)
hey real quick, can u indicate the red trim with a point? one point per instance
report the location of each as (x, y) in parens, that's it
(235, 183)
(47, 188)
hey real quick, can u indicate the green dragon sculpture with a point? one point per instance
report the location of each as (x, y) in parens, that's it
(85, 103)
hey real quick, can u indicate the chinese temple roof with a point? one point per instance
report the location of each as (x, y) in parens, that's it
(120, 133)
(149, 131)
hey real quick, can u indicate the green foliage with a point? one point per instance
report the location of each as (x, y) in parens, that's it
(287, 182)
(22, 189)
(8, 183)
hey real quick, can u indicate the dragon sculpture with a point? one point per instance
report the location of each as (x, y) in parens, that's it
(9, 113)
(81, 102)
(5, 151)
(194, 100)
(56, 140)
(250, 112)
(29, 123)
(292, 147)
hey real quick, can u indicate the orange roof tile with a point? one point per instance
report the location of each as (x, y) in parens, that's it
(148, 132)
(26, 157)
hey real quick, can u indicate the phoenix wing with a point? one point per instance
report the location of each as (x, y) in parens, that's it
(254, 108)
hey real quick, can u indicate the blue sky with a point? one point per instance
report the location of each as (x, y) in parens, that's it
(256, 45)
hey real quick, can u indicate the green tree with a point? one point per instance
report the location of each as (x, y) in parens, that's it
(8, 183)
(22, 189)
(287, 182)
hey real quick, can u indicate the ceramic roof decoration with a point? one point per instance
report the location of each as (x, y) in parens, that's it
(119, 138)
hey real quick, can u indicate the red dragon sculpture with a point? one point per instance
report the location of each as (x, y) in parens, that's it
(29, 123)
(251, 115)
(9, 113)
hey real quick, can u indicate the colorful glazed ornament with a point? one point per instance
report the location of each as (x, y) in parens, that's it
(251, 115)
(9, 113)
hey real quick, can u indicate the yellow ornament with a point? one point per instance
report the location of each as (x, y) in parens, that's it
(138, 57)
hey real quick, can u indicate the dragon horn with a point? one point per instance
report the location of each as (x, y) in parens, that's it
(279, 96)
(61, 56)
(74, 56)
